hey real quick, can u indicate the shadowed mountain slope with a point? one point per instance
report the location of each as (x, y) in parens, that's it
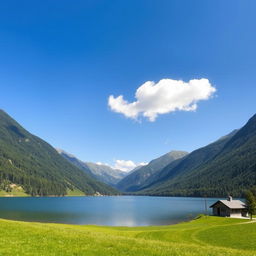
(227, 166)
(35, 166)
(100, 172)
(136, 180)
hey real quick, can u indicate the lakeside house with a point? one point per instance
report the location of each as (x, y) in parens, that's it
(229, 208)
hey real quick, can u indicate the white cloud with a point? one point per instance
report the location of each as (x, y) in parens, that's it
(123, 165)
(100, 163)
(168, 95)
(126, 165)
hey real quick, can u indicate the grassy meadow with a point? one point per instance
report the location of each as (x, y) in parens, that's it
(16, 191)
(210, 236)
(19, 192)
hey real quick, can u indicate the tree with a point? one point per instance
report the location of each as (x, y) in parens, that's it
(250, 202)
(253, 191)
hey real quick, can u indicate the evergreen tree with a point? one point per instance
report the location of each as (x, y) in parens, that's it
(251, 203)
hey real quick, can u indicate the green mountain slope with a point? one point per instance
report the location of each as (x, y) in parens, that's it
(229, 169)
(189, 162)
(29, 162)
(136, 180)
(100, 172)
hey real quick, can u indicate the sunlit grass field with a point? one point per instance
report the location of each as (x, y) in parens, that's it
(204, 236)
(16, 191)
(19, 192)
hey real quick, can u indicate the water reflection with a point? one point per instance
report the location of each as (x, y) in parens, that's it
(112, 211)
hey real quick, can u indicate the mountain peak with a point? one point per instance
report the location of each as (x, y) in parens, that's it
(136, 178)
(101, 172)
(177, 153)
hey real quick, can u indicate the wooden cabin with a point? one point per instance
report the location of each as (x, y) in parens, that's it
(229, 208)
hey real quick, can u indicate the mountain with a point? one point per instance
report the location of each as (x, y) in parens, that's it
(227, 166)
(100, 172)
(137, 168)
(136, 179)
(32, 165)
(189, 162)
(105, 173)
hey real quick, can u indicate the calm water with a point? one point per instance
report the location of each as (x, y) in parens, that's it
(112, 211)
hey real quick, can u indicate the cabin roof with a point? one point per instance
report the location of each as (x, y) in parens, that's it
(233, 204)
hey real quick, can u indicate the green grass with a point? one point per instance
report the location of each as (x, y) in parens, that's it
(75, 192)
(16, 191)
(207, 236)
(19, 192)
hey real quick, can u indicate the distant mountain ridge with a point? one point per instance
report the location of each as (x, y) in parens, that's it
(189, 162)
(136, 179)
(34, 166)
(30, 165)
(100, 172)
(227, 166)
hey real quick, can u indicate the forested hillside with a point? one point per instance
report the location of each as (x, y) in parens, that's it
(136, 180)
(30, 163)
(189, 162)
(225, 167)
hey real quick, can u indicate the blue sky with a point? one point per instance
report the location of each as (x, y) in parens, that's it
(61, 60)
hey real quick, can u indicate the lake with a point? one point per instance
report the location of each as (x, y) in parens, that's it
(109, 210)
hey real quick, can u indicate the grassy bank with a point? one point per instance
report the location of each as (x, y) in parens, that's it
(15, 192)
(19, 192)
(204, 236)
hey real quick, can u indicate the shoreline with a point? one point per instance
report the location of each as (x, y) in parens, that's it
(125, 195)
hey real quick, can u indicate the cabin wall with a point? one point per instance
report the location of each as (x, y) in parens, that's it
(221, 210)
(214, 211)
(245, 213)
(236, 213)
(224, 212)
